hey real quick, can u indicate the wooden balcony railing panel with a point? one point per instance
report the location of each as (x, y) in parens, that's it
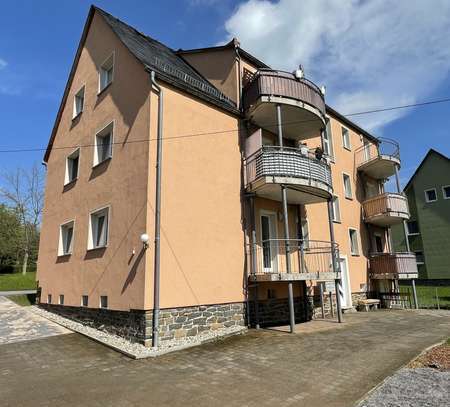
(393, 263)
(388, 149)
(283, 84)
(385, 204)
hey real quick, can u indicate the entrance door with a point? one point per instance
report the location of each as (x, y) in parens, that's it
(378, 244)
(269, 246)
(346, 297)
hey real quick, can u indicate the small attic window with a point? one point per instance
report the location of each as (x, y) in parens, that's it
(78, 102)
(106, 73)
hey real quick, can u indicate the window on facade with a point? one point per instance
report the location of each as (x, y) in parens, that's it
(346, 138)
(106, 73)
(78, 102)
(419, 257)
(328, 141)
(430, 195)
(72, 166)
(446, 191)
(103, 144)
(98, 230)
(61, 299)
(413, 227)
(66, 239)
(347, 186)
(336, 210)
(49, 298)
(103, 301)
(84, 300)
(354, 248)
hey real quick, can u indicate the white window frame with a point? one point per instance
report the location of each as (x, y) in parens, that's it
(61, 299)
(87, 300)
(328, 141)
(334, 200)
(419, 262)
(100, 301)
(91, 237)
(407, 228)
(62, 243)
(70, 157)
(77, 112)
(426, 196)
(353, 253)
(49, 298)
(344, 174)
(349, 146)
(102, 69)
(443, 191)
(108, 129)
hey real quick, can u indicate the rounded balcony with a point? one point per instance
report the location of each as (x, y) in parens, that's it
(307, 177)
(303, 104)
(386, 209)
(393, 266)
(378, 161)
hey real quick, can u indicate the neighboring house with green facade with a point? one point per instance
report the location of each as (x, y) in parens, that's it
(428, 193)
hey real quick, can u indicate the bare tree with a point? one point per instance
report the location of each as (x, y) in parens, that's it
(24, 190)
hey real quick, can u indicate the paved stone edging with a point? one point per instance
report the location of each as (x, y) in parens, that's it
(136, 350)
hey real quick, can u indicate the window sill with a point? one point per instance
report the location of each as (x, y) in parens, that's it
(77, 116)
(70, 182)
(101, 162)
(347, 148)
(64, 256)
(413, 234)
(350, 198)
(337, 221)
(93, 249)
(100, 92)
(355, 254)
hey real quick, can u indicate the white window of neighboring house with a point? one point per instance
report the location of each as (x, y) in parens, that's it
(61, 299)
(103, 301)
(347, 186)
(354, 246)
(72, 167)
(106, 73)
(430, 195)
(419, 257)
(446, 191)
(413, 227)
(346, 138)
(66, 238)
(84, 300)
(103, 144)
(98, 228)
(78, 102)
(328, 141)
(336, 210)
(49, 298)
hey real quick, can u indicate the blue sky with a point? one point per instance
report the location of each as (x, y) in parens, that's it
(363, 67)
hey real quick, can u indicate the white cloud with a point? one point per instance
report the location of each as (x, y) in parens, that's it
(3, 63)
(370, 54)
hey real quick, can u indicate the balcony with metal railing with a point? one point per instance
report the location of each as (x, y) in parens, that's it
(386, 209)
(302, 102)
(378, 161)
(307, 177)
(393, 266)
(293, 260)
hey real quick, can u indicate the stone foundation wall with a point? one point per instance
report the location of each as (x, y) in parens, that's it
(136, 325)
(317, 313)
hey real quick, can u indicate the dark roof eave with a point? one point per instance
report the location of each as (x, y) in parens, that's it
(349, 123)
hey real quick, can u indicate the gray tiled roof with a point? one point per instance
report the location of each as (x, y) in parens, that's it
(166, 63)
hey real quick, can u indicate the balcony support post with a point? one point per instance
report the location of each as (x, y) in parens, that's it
(416, 303)
(286, 229)
(397, 180)
(334, 261)
(254, 261)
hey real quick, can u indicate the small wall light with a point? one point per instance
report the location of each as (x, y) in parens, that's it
(144, 240)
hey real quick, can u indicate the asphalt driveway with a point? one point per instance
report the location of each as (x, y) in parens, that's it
(333, 365)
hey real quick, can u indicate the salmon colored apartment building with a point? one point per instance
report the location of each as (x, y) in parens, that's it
(196, 190)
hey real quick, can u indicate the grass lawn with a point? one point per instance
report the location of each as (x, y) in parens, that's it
(23, 299)
(17, 281)
(427, 296)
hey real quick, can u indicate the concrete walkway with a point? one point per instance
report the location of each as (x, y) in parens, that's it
(333, 367)
(19, 324)
(17, 292)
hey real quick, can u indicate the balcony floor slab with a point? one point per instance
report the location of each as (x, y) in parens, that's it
(273, 277)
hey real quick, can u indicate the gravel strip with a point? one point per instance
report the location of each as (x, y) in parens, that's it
(422, 387)
(136, 350)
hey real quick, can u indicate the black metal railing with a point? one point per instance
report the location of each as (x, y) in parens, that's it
(385, 148)
(304, 256)
(288, 162)
(269, 82)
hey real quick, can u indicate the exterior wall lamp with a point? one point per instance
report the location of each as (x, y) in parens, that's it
(144, 240)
